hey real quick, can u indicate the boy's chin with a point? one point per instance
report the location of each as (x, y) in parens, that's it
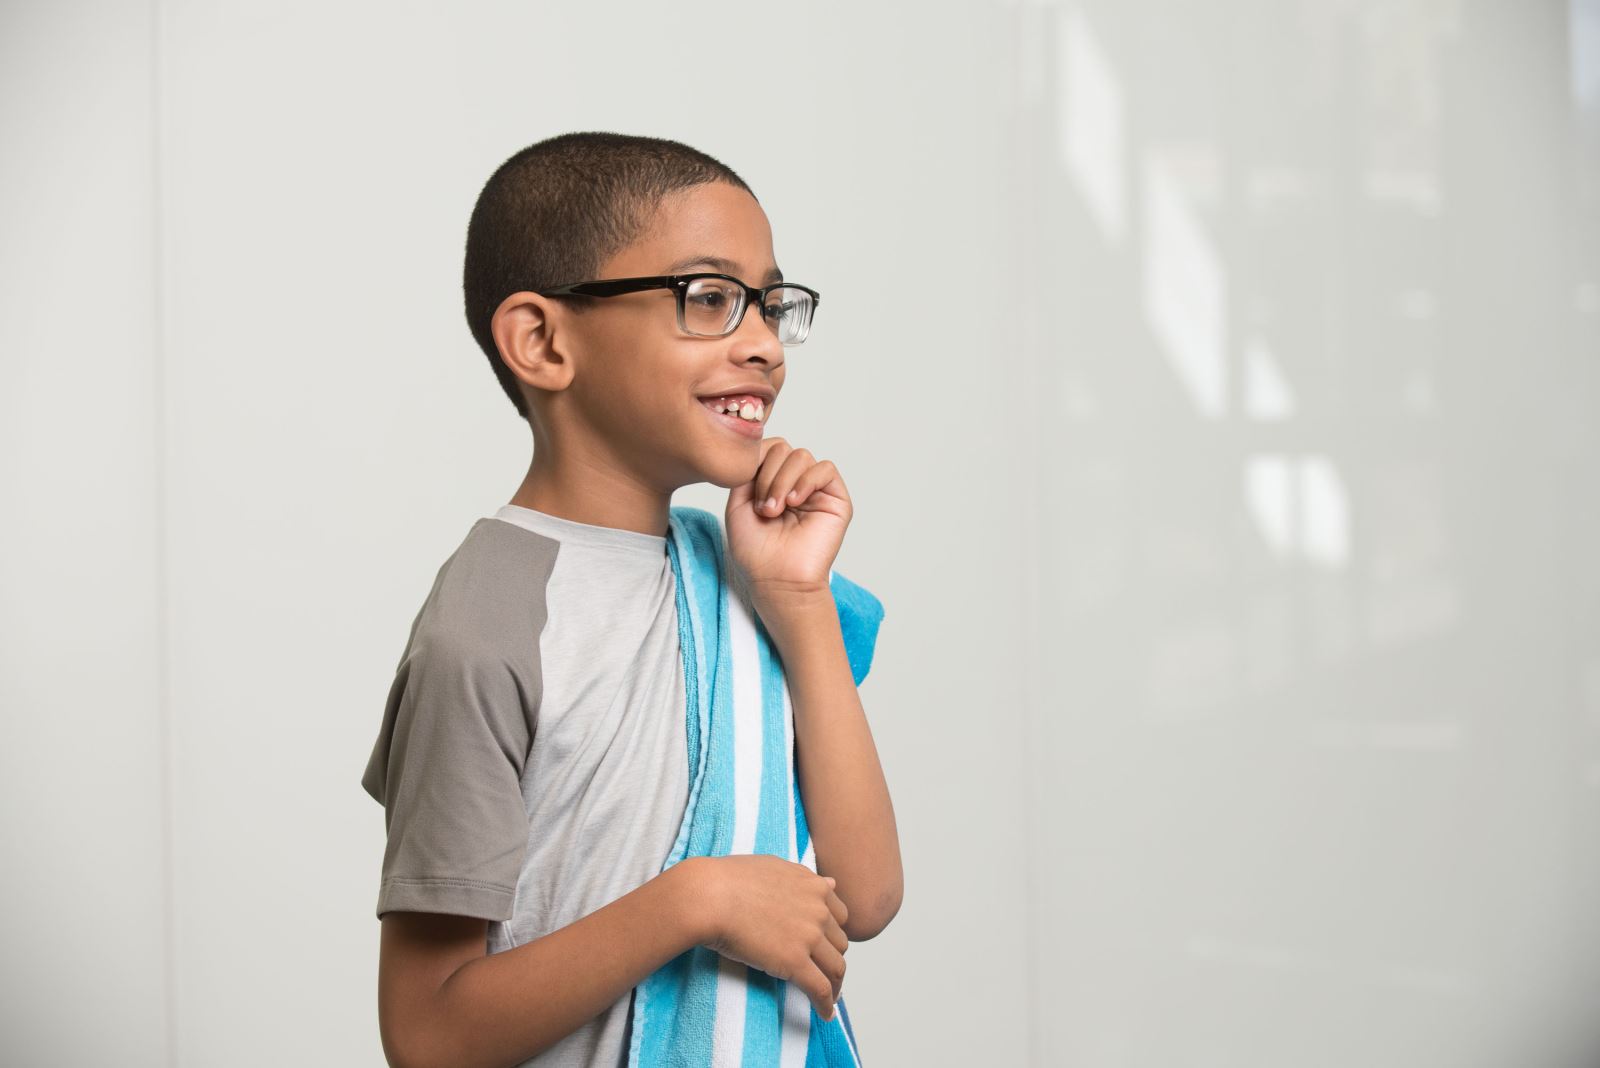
(730, 469)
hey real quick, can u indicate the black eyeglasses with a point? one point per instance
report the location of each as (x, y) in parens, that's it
(712, 305)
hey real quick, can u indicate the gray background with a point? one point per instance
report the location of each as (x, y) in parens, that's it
(1217, 386)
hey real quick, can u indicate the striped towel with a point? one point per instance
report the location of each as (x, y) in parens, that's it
(701, 1008)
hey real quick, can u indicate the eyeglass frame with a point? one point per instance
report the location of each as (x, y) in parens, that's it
(679, 284)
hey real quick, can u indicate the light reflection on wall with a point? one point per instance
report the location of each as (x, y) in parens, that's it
(1185, 300)
(1584, 17)
(1092, 133)
(1267, 396)
(1300, 508)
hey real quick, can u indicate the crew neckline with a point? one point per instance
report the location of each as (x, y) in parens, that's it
(585, 533)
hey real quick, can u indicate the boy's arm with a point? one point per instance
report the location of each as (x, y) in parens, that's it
(841, 780)
(442, 1001)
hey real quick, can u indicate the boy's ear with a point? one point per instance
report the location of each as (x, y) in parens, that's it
(526, 330)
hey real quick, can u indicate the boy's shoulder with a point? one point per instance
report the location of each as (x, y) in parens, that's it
(490, 590)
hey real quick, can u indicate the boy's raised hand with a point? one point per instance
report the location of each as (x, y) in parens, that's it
(787, 548)
(782, 918)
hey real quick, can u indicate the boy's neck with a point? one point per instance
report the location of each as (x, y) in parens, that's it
(601, 502)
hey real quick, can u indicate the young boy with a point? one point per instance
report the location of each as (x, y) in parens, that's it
(535, 756)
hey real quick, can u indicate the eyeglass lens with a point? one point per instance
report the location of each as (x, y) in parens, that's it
(712, 308)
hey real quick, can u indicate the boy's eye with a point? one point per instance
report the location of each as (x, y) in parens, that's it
(780, 309)
(710, 298)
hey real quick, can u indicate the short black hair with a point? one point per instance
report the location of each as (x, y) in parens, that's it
(558, 209)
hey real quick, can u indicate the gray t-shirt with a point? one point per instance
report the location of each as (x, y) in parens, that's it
(532, 762)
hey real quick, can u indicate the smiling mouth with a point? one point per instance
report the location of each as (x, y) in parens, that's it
(733, 420)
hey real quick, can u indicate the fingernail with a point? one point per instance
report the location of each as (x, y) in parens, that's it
(771, 503)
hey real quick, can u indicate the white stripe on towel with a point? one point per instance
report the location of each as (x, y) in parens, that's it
(727, 1042)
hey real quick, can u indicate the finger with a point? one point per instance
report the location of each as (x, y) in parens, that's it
(831, 962)
(819, 988)
(772, 461)
(776, 488)
(836, 935)
(841, 912)
(817, 476)
(772, 489)
(745, 492)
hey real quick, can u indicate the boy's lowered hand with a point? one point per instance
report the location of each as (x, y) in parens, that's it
(787, 548)
(782, 918)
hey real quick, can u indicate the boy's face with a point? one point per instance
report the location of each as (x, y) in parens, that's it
(637, 380)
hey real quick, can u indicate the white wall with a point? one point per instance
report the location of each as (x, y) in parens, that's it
(85, 584)
(1232, 506)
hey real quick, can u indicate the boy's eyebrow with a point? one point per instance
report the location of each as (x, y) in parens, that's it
(724, 265)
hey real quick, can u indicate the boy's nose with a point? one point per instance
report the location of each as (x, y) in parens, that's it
(753, 329)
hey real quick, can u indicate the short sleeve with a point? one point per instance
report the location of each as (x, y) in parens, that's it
(860, 613)
(447, 767)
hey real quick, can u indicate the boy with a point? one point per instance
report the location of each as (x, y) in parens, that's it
(533, 761)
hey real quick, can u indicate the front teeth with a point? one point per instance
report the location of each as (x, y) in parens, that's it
(754, 411)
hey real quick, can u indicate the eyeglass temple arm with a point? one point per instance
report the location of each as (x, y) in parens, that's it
(609, 287)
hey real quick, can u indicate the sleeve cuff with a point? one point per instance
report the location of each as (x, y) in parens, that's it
(457, 897)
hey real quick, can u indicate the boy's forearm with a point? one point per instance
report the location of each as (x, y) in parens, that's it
(502, 1009)
(847, 803)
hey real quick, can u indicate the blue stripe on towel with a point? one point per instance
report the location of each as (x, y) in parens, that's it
(802, 832)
